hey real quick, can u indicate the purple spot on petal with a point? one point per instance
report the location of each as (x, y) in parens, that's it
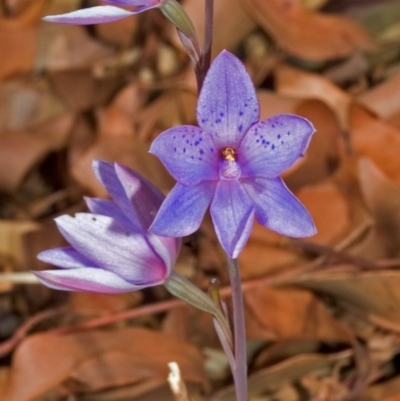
(217, 121)
(240, 113)
(240, 128)
(279, 137)
(272, 146)
(201, 151)
(288, 133)
(184, 150)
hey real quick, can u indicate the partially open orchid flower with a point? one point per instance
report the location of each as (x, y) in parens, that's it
(111, 250)
(232, 162)
(102, 14)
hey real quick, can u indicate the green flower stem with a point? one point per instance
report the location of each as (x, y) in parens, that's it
(240, 368)
(184, 289)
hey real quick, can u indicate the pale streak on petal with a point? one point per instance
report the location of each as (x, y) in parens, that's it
(86, 279)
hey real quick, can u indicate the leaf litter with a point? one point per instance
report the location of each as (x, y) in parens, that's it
(323, 315)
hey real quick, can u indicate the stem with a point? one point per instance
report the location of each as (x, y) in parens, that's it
(208, 34)
(240, 368)
(205, 60)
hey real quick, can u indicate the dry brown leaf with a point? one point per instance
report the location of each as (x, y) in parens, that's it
(4, 378)
(19, 152)
(308, 34)
(120, 32)
(64, 47)
(383, 198)
(89, 302)
(21, 241)
(330, 210)
(98, 359)
(26, 105)
(383, 98)
(373, 295)
(305, 85)
(55, 132)
(79, 89)
(19, 40)
(228, 32)
(288, 314)
(267, 380)
(377, 140)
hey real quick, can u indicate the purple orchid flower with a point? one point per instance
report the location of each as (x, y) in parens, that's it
(111, 250)
(232, 162)
(102, 14)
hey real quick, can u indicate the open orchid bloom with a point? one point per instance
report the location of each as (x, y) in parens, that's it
(110, 249)
(232, 163)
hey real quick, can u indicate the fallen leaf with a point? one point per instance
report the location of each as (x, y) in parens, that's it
(373, 295)
(266, 380)
(288, 314)
(383, 198)
(98, 359)
(329, 209)
(377, 140)
(304, 33)
(382, 98)
(297, 83)
(228, 32)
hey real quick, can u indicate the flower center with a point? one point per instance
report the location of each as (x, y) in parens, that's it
(229, 169)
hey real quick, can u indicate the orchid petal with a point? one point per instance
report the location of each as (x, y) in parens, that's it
(278, 209)
(67, 258)
(109, 208)
(273, 145)
(92, 15)
(188, 153)
(228, 105)
(183, 209)
(232, 212)
(86, 279)
(145, 199)
(167, 248)
(132, 193)
(112, 246)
